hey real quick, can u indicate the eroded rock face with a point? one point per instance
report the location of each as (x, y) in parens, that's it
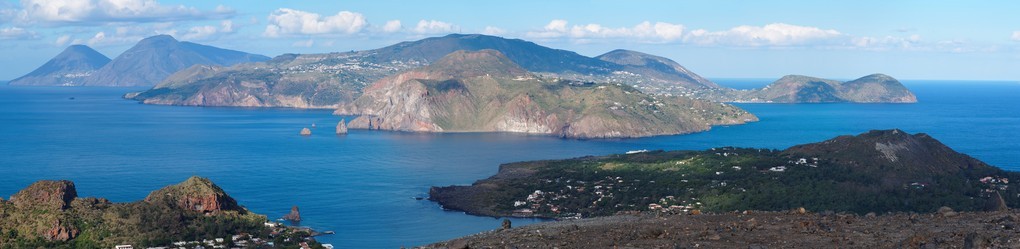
(341, 127)
(50, 195)
(60, 232)
(196, 193)
(294, 215)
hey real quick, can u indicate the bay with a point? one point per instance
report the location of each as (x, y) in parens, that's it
(362, 185)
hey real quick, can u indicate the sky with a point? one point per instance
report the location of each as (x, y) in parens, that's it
(932, 40)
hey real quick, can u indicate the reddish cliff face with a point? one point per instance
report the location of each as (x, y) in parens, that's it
(196, 193)
(483, 91)
(60, 232)
(50, 195)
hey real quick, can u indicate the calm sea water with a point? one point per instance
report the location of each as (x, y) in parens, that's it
(362, 185)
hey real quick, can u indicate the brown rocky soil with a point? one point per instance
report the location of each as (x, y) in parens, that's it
(946, 229)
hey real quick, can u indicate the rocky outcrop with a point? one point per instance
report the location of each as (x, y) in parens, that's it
(306, 132)
(341, 127)
(294, 215)
(47, 214)
(484, 91)
(60, 232)
(47, 195)
(196, 194)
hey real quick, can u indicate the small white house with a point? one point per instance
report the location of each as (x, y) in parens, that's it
(123, 247)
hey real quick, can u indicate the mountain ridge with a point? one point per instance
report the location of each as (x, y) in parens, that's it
(153, 59)
(69, 68)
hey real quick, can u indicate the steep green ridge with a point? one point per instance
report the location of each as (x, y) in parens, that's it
(152, 59)
(485, 91)
(69, 68)
(877, 171)
(49, 214)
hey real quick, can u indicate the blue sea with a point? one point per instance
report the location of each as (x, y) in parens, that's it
(363, 185)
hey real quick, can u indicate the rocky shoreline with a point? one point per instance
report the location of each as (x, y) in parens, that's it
(761, 230)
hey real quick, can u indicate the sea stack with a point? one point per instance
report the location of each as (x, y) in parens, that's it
(341, 128)
(294, 215)
(306, 132)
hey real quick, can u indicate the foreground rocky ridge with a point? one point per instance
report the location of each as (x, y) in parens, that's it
(49, 214)
(484, 91)
(761, 230)
(877, 171)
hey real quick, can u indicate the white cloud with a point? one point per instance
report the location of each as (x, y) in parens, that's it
(490, 30)
(776, 34)
(392, 26)
(99, 11)
(642, 32)
(16, 33)
(434, 27)
(295, 22)
(206, 32)
(98, 38)
(62, 40)
(1016, 36)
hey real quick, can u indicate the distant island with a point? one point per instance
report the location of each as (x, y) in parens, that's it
(875, 88)
(485, 91)
(147, 63)
(879, 171)
(196, 212)
(336, 79)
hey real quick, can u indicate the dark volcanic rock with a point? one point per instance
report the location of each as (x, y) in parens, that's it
(754, 230)
(48, 195)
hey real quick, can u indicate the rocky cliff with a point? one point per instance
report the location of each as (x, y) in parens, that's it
(69, 68)
(49, 214)
(485, 91)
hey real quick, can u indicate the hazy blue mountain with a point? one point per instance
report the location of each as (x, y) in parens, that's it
(153, 59)
(69, 68)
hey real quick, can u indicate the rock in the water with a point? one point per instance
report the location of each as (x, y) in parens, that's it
(294, 215)
(49, 195)
(506, 224)
(306, 132)
(341, 128)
